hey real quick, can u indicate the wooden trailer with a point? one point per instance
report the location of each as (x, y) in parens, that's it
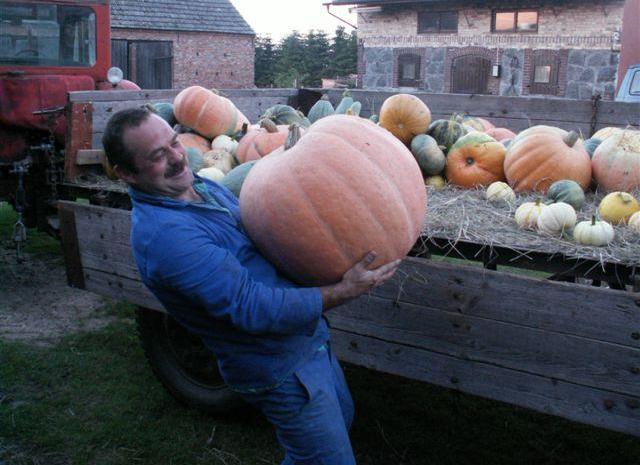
(484, 324)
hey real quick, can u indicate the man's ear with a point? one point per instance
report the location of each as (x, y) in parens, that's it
(124, 174)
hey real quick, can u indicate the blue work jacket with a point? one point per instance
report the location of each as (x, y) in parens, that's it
(199, 262)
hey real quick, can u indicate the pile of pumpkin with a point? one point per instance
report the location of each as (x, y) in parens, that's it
(316, 192)
(471, 152)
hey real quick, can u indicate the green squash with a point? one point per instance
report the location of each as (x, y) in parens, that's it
(590, 145)
(320, 109)
(375, 118)
(195, 159)
(285, 114)
(428, 154)
(566, 191)
(345, 103)
(446, 132)
(234, 179)
(165, 111)
(355, 109)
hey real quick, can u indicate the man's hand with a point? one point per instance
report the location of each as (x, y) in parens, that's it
(357, 280)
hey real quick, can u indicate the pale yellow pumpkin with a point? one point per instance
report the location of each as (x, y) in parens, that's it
(212, 173)
(557, 218)
(634, 222)
(592, 232)
(500, 192)
(617, 207)
(437, 182)
(527, 214)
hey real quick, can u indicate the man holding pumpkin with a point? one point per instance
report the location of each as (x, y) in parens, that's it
(269, 335)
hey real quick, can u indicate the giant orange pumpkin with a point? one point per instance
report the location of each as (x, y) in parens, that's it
(207, 113)
(475, 160)
(542, 155)
(616, 161)
(259, 142)
(405, 116)
(345, 188)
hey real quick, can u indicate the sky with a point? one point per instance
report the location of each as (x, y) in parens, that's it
(280, 17)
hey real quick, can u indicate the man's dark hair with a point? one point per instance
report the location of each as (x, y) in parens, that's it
(112, 139)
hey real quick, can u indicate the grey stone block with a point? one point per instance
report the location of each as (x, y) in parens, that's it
(572, 90)
(577, 57)
(435, 84)
(598, 58)
(614, 59)
(585, 91)
(574, 72)
(607, 74)
(438, 54)
(587, 75)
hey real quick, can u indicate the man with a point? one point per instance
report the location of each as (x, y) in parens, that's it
(269, 336)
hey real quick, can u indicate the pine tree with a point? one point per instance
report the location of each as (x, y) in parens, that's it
(344, 58)
(265, 60)
(317, 50)
(290, 67)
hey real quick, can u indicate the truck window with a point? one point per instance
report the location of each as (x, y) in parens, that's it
(634, 87)
(33, 34)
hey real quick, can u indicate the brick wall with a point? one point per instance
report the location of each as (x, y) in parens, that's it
(573, 26)
(212, 60)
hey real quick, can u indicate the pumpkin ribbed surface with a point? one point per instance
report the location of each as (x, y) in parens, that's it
(446, 132)
(261, 141)
(541, 155)
(475, 160)
(207, 113)
(616, 162)
(346, 187)
(500, 134)
(405, 116)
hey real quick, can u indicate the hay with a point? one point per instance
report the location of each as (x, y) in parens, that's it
(464, 215)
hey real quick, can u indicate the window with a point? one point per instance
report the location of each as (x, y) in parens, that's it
(35, 34)
(437, 21)
(515, 21)
(634, 88)
(409, 70)
(545, 72)
(542, 74)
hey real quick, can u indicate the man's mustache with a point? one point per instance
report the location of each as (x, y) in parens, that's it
(175, 169)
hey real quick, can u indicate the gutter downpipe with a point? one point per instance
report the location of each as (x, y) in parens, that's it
(328, 5)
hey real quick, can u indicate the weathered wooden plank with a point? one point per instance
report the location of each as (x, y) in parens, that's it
(96, 223)
(90, 157)
(546, 353)
(578, 403)
(70, 249)
(169, 94)
(120, 288)
(91, 261)
(565, 308)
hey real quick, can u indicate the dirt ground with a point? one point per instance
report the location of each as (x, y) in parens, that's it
(37, 305)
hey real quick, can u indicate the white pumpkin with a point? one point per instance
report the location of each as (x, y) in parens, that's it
(437, 181)
(224, 142)
(634, 222)
(593, 232)
(499, 192)
(527, 214)
(212, 173)
(220, 159)
(556, 218)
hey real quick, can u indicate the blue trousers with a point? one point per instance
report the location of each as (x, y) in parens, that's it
(312, 412)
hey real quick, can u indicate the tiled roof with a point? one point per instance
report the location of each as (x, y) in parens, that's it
(179, 15)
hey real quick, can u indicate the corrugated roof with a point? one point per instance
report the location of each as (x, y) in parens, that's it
(179, 15)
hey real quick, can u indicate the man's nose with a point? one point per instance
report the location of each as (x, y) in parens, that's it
(176, 155)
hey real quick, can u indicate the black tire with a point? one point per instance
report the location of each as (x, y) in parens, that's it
(183, 364)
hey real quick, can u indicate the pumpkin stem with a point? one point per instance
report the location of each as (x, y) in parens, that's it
(293, 137)
(325, 97)
(269, 125)
(571, 138)
(245, 129)
(593, 220)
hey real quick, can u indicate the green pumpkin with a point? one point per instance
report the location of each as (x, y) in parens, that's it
(285, 114)
(428, 154)
(320, 109)
(165, 111)
(355, 109)
(195, 159)
(345, 103)
(446, 132)
(234, 179)
(590, 145)
(566, 191)
(375, 118)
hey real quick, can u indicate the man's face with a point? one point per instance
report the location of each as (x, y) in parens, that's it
(160, 158)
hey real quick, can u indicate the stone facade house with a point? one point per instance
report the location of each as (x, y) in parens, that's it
(560, 48)
(162, 44)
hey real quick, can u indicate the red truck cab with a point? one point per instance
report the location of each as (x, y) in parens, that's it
(47, 49)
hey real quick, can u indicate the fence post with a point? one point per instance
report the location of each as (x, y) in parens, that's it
(595, 107)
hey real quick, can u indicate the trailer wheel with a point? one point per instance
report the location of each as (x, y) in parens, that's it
(183, 364)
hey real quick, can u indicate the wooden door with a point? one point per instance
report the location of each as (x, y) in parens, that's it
(120, 56)
(153, 64)
(470, 74)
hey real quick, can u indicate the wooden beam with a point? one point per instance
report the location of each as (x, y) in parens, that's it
(90, 157)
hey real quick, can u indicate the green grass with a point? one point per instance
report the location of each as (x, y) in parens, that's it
(92, 399)
(38, 243)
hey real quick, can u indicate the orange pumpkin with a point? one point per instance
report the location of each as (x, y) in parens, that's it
(405, 116)
(500, 134)
(345, 188)
(189, 139)
(616, 161)
(259, 142)
(475, 160)
(207, 113)
(542, 155)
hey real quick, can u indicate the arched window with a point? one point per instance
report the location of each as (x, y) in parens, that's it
(409, 70)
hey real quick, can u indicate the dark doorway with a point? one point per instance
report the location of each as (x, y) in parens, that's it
(470, 74)
(148, 63)
(409, 70)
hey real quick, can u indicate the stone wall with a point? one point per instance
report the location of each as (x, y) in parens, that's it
(512, 64)
(378, 64)
(591, 72)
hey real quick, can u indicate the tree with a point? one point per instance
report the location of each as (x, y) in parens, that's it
(292, 59)
(318, 58)
(344, 53)
(265, 60)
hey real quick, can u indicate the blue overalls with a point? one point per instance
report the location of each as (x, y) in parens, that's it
(269, 336)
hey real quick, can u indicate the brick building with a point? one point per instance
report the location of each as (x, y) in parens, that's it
(563, 48)
(161, 44)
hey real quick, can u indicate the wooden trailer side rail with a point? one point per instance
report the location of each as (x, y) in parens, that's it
(559, 348)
